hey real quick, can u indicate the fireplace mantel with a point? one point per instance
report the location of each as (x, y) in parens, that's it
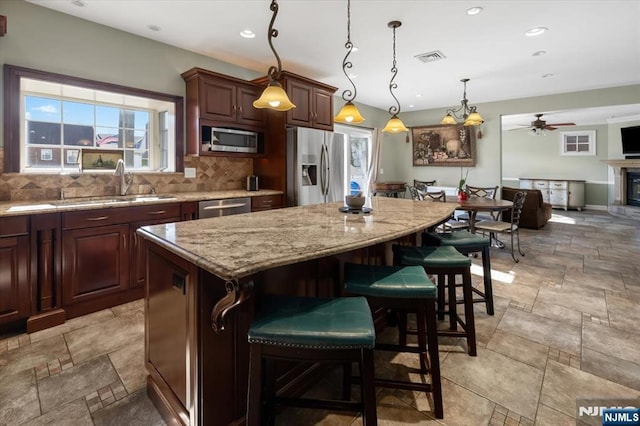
(623, 163)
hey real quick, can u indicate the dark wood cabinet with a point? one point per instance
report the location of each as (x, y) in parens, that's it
(218, 100)
(14, 269)
(313, 101)
(266, 202)
(154, 215)
(95, 262)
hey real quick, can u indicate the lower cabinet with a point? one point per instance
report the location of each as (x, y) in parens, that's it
(95, 262)
(564, 194)
(266, 202)
(15, 292)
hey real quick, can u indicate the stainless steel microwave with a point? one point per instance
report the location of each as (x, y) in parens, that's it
(232, 140)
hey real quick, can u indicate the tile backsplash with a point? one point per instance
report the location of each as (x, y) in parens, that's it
(212, 173)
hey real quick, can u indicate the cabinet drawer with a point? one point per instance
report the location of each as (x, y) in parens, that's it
(102, 217)
(265, 202)
(558, 184)
(541, 184)
(14, 225)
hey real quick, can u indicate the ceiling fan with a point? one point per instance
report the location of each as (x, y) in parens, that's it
(539, 124)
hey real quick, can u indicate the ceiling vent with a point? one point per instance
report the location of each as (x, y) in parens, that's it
(434, 55)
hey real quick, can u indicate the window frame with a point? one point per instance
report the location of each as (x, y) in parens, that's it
(12, 109)
(590, 134)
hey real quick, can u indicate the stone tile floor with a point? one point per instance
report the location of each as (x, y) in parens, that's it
(566, 326)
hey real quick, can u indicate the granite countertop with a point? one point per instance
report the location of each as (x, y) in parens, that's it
(237, 246)
(16, 208)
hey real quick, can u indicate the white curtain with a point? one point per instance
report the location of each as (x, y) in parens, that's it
(374, 163)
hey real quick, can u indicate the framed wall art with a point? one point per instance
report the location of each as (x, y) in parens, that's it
(444, 145)
(100, 159)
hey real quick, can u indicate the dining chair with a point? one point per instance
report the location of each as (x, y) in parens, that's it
(480, 192)
(423, 184)
(499, 227)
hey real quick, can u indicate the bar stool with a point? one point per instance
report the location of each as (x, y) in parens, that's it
(311, 330)
(467, 243)
(406, 289)
(446, 263)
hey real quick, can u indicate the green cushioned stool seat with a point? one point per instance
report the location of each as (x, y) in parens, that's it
(388, 281)
(467, 243)
(400, 290)
(446, 256)
(309, 330)
(446, 262)
(309, 322)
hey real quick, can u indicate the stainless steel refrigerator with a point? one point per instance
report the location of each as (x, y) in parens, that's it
(316, 166)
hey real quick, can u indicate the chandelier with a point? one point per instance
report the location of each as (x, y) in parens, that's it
(349, 112)
(468, 114)
(274, 96)
(394, 125)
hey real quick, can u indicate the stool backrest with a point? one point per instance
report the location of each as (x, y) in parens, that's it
(435, 196)
(516, 210)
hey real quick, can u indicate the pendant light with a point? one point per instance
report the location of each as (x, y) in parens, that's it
(394, 125)
(274, 96)
(349, 112)
(469, 114)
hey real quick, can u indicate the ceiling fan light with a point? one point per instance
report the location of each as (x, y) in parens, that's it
(395, 125)
(474, 119)
(274, 97)
(448, 119)
(349, 114)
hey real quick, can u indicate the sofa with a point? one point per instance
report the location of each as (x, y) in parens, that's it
(535, 212)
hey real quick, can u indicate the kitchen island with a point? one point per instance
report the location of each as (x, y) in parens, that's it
(205, 277)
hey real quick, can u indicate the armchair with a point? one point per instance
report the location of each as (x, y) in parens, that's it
(535, 212)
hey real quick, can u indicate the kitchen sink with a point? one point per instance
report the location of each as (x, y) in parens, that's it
(77, 202)
(152, 197)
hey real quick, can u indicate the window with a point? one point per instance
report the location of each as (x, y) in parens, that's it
(578, 143)
(53, 119)
(359, 156)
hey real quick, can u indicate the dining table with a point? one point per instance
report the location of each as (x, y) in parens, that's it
(473, 205)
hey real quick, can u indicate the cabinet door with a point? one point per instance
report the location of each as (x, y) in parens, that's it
(95, 262)
(218, 100)
(322, 109)
(576, 195)
(558, 196)
(543, 186)
(301, 95)
(14, 280)
(247, 114)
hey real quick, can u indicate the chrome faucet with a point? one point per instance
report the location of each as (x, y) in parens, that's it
(126, 178)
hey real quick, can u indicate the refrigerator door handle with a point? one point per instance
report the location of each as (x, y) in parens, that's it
(328, 170)
(323, 171)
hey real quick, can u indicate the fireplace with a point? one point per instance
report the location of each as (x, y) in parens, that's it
(633, 188)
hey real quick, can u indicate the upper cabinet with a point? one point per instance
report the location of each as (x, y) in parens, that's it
(313, 101)
(217, 100)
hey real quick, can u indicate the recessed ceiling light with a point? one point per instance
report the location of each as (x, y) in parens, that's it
(78, 3)
(547, 75)
(354, 49)
(532, 32)
(247, 34)
(153, 28)
(474, 10)
(353, 75)
(539, 53)
(419, 95)
(411, 105)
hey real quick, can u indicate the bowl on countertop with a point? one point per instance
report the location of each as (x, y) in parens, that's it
(354, 202)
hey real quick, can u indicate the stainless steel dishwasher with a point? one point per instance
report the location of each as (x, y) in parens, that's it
(224, 207)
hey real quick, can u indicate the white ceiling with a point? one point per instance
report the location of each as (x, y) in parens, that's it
(590, 44)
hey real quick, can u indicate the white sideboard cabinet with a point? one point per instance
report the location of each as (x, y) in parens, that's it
(566, 194)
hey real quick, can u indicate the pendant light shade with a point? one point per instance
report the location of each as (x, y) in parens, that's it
(394, 125)
(468, 114)
(349, 112)
(274, 96)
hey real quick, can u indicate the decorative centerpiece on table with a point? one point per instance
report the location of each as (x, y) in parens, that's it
(462, 193)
